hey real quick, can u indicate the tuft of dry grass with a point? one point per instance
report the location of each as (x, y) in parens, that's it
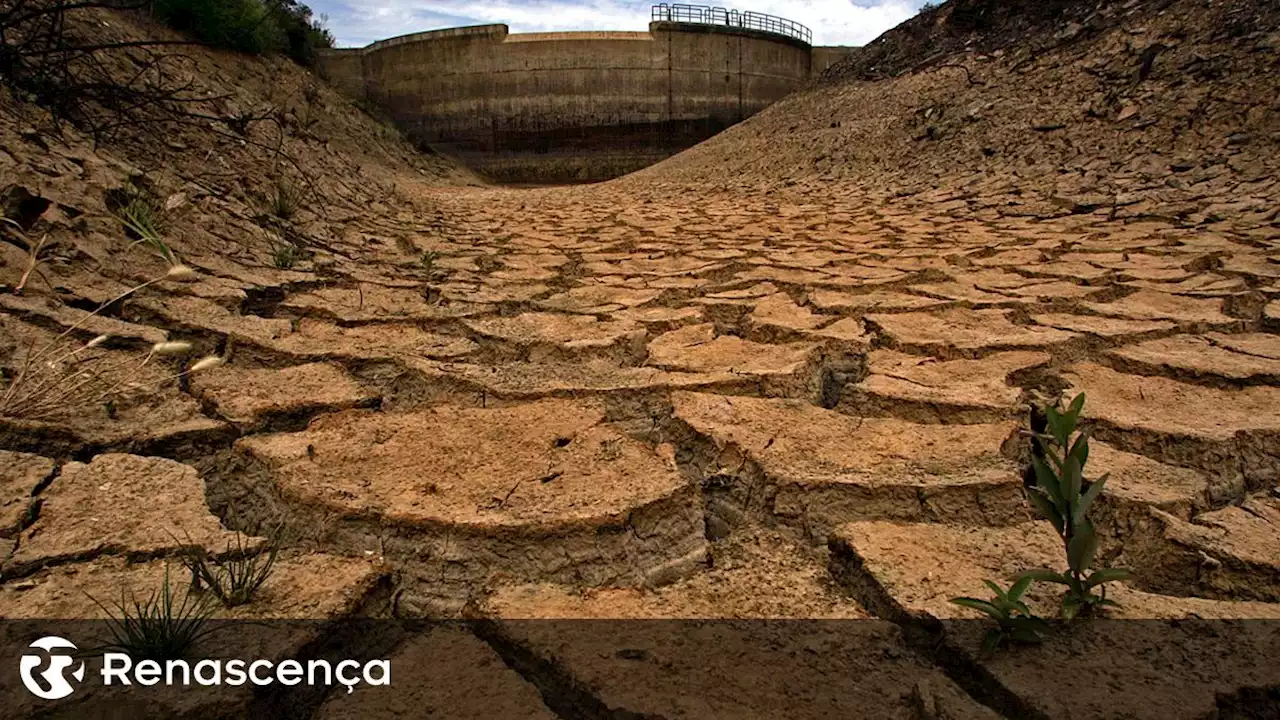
(49, 385)
(64, 375)
(35, 252)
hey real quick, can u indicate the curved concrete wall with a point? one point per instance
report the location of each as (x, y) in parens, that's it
(557, 107)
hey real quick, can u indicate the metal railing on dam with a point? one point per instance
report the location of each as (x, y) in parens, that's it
(707, 15)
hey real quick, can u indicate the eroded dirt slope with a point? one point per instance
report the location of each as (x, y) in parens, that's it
(781, 376)
(994, 109)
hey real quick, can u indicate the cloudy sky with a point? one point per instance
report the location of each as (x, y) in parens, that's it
(360, 22)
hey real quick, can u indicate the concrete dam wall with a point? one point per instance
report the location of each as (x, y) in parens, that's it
(573, 106)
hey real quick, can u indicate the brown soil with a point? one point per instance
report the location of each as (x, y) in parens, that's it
(778, 378)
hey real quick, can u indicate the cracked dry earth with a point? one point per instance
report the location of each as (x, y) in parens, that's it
(558, 414)
(613, 405)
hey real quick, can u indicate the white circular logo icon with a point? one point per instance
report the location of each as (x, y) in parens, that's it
(55, 685)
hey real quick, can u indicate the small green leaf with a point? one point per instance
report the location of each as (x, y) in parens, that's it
(1072, 479)
(1043, 575)
(1066, 427)
(1080, 448)
(1073, 410)
(1083, 545)
(1057, 426)
(1048, 481)
(1019, 587)
(1107, 575)
(1086, 500)
(999, 591)
(1077, 404)
(1046, 508)
(980, 605)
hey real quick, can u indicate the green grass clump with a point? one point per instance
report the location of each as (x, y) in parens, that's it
(143, 217)
(285, 200)
(238, 576)
(159, 628)
(284, 256)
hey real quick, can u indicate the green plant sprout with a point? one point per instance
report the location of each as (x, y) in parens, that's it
(142, 217)
(284, 255)
(237, 577)
(159, 628)
(1015, 622)
(1064, 497)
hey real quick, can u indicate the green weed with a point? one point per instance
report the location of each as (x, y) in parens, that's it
(158, 628)
(285, 200)
(235, 578)
(1064, 497)
(284, 255)
(1015, 622)
(143, 218)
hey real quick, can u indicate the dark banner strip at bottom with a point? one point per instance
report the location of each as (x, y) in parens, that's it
(636, 669)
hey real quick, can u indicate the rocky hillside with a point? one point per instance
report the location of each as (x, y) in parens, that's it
(1159, 108)
(255, 131)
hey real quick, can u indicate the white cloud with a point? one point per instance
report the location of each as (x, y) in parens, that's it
(360, 22)
(840, 22)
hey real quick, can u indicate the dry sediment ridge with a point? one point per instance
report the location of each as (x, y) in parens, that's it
(651, 399)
